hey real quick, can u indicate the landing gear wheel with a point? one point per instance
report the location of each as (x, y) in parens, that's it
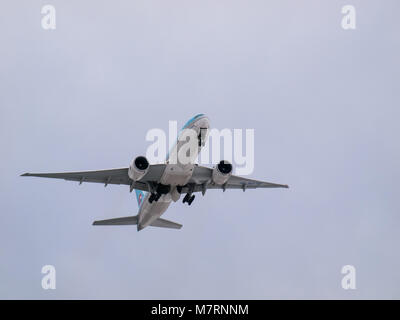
(186, 198)
(202, 136)
(151, 198)
(154, 197)
(191, 200)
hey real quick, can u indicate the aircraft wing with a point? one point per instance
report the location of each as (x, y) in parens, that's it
(202, 176)
(112, 176)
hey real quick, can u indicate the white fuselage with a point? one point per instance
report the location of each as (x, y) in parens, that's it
(175, 174)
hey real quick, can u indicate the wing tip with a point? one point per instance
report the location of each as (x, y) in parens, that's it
(26, 174)
(98, 223)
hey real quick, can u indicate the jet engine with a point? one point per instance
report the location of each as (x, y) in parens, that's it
(222, 172)
(138, 168)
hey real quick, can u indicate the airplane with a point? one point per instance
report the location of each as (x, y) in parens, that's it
(157, 185)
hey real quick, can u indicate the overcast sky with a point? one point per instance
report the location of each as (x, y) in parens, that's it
(324, 103)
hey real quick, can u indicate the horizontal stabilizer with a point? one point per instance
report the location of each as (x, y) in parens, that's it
(133, 220)
(162, 223)
(117, 221)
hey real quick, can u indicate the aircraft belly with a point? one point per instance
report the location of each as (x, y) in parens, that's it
(176, 174)
(152, 211)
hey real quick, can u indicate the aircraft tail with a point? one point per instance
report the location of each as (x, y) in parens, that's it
(133, 220)
(140, 196)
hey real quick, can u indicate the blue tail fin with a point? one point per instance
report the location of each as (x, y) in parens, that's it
(140, 196)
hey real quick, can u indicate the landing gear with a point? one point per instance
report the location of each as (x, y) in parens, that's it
(154, 197)
(188, 198)
(191, 200)
(157, 191)
(202, 137)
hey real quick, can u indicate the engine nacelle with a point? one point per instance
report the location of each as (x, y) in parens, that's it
(222, 172)
(138, 168)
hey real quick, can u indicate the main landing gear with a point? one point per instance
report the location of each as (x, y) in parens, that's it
(158, 191)
(154, 197)
(188, 198)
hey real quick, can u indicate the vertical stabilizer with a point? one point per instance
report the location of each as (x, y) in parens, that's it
(140, 196)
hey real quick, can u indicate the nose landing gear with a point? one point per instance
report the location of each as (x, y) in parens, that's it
(202, 137)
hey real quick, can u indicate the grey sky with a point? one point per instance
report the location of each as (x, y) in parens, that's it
(324, 104)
